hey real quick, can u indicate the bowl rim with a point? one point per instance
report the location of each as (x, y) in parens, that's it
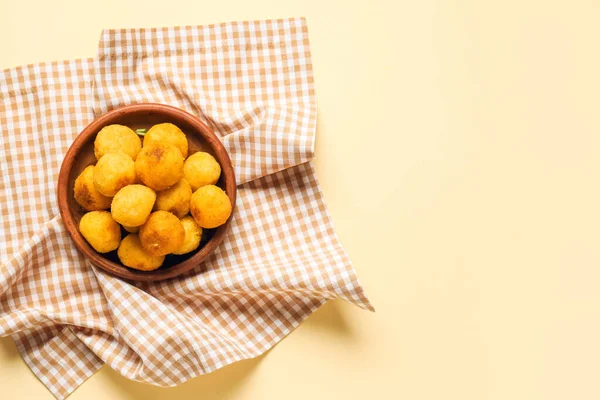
(68, 219)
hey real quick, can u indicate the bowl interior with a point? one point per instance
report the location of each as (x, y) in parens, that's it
(200, 138)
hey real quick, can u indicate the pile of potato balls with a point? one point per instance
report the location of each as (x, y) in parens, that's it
(151, 191)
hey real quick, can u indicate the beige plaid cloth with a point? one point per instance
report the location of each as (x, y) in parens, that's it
(252, 83)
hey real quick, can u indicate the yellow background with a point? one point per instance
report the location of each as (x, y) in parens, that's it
(458, 149)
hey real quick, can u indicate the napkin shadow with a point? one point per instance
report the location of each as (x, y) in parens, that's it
(330, 317)
(220, 384)
(8, 348)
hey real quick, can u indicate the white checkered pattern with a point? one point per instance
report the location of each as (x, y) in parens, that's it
(252, 83)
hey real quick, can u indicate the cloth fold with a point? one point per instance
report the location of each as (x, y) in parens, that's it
(252, 83)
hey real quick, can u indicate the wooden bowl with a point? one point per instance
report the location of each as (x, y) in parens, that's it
(81, 154)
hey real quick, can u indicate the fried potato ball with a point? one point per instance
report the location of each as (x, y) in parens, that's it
(168, 133)
(201, 169)
(193, 235)
(162, 233)
(210, 206)
(113, 172)
(85, 192)
(132, 205)
(100, 230)
(132, 254)
(117, 139)
(159, 165)
(131, 229)
(175, 199)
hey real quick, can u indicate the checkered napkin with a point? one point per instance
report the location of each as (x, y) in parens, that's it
(252, 83)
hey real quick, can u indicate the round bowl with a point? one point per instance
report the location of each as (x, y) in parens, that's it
(81, 154)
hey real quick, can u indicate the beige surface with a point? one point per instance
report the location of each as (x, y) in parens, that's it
(476, 129)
